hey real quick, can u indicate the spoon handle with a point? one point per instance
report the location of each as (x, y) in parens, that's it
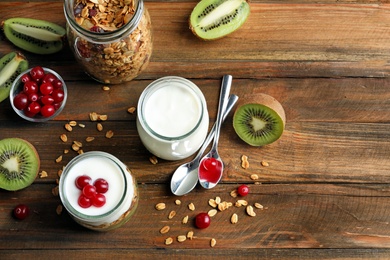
(230, 104)
(223, 97)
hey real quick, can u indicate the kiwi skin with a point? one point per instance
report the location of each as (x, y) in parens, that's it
(266, 104)
(13, 151)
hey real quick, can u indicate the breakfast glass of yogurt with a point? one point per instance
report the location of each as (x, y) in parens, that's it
(120, 193)
(172, 118)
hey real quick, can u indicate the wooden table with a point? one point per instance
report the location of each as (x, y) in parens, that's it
(326, 191)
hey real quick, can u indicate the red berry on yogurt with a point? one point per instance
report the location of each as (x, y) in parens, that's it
(101, 185)
(82, 180)
(84, 202)
(98, 200)
(89, 191)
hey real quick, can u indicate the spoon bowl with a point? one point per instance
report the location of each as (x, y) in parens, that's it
(185, 178)
(211, 166)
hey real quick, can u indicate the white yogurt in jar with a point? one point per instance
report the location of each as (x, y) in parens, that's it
(120, 196)
(172, 118)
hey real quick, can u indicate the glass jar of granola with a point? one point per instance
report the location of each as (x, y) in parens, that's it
(111, 39)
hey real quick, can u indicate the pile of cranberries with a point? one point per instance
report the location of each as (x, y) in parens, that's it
(42, 93)
(91, 194)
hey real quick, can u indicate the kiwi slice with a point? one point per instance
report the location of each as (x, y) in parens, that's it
(19, 164)
(213, 19)
(259, 121)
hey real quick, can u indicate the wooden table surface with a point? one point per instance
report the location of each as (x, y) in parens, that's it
(326, 191)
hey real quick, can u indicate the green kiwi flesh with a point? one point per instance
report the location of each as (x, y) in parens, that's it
(19, 164)
(11, 66)
(34, 35)
(214, 19)
(259, 123)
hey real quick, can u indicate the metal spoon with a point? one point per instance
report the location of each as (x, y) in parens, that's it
(209, 179)
(185, 177)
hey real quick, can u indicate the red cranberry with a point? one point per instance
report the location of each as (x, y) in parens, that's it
(21, 211)
(243, 190)
(202, 220)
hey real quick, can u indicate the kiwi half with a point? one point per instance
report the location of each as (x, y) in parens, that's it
(259, 121)
(213, 19)
(19, 164)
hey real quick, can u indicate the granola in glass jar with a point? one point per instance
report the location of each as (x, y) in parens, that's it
(111, 39)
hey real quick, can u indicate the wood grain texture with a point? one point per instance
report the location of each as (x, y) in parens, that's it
(326, 190)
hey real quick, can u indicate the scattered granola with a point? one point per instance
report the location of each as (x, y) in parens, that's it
(234, 218)
(171, 214)
(244, 162)
(59, 209)
(59, 159)
(181, 238)
(43, 174)
(160, 206)
(190, 235)
(191, 206)
(213, 242)
(131, 110)
(64, 138)
(250, 211)
(109, 134)
(164, 229)
(212, 212)
(168, 241)
(72, 123)
(264, 163)
(153, 159)
(68, 127)
(99, 127)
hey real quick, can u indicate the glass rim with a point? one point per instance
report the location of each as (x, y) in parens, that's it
(65, 200)
(159, 83)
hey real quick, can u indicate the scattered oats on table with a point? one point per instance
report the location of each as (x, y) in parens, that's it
(164, 229)
(131, 110)
(68, 127)
(181, 238)
(244, 162)
(168, 241)
(109, 134)
(264, 163)
(43, 174)
(160, 206)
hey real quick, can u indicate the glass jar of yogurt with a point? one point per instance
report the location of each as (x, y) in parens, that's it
(112, 40)
(172, 118)
(121, 196)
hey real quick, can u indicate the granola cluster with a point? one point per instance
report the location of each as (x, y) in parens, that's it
(121, 60)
